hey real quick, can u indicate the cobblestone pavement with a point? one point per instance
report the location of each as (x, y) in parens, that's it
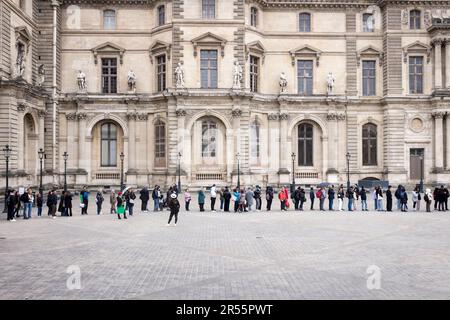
(258, 255)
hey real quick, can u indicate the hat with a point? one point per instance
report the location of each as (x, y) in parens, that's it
(173, 195)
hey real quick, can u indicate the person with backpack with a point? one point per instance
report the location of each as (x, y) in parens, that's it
(341, 196)
(403, 199)
(269, 197)
(320, 194)
(257, 197)
(174, 206)
(130, 198)
(355, 197)
(226, 198)
(363, 197)
(350, 197)
(201, 199)
(99, 201)
(331, 193)
(68, 204)
(11, 205)
(297, 198)
(144, 196)
(416, 199)
(428, 197)
(121, 206)
(302, 198)
(397, 196)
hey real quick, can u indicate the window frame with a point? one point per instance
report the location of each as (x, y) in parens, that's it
(415, 75)
(209, 142)
(364, 22)
(254, 75)
(208, 69)
(300, 25)
(160, 141)
(303, 159)
(105, 19)
(369, 78)
(206, 7)
(369, 141)
(161, 16)
(415, 22)
(305, 79)
(254, 12)
(255, 140)
(109, 139)
(109, 76)
(161, 75)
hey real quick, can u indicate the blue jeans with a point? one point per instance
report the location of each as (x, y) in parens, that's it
(399, 204)
(156, 204)
(330, 204)
(27, 207)
(130, 209)
(39, 213)
(375, 204)
(380, 205)
(364, 205)
(321, 203)
(350, 204)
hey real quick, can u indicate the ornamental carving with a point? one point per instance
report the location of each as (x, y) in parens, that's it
(41, 113)
(284, 116)
(82, 116)
(336, 116)
(137, 116)
(438, 114)
(142, 116)
(180, 113)
(71, 116)
(273, 116)
(21, 108)
(236, 113)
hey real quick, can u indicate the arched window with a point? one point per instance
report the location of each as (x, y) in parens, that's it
(209, 139)
(109, 19)
(305, 144)
(304, 22)
(161, 15)
(368, 22)
(369, 137)
(160, 142)
(255, 139)
(253, 17)
(109, 145)
(414, 19)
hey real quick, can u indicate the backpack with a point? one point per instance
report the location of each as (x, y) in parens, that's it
(426, 198)
(318, 194)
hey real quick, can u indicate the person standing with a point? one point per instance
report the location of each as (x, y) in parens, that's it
(30, 201)
(428, 197)
(350, 197)
(331, 193)
(213, 193)
(226, 199)
(403, 200)
(84, 200)
(380, 198)
(374, 198)
(144, 196)
(11, 205)
(320, 194)
(311, 197)
(363, 197)
(155, 197)
(25, 200)
(302, 198)
(297, 197)
(99, 201)
(415, 199)
(68, 204)
(269, 197)
(282, 198)
(242, 202)
(18, 204)
(236, 198)
(61, 207)
(52, 202)
(39, 203)
(397, 197)
(249, 198)
(389, 199)
(121, 206)
(446, 196)
(174, 207)
(341, 196)
(355, 197)
(130, 198)
(201, 200)
(221, 198)
(257, 196)
(187, 199)
(113, 201)
(441, 199)
(436, 197)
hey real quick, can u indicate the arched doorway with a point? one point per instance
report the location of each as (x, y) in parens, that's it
(30, 142)
(208, 149)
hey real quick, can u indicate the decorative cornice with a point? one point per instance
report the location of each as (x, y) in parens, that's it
(438, 114)
(335, 116)
(284, 116)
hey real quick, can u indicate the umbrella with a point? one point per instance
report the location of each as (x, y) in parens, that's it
(125, 190)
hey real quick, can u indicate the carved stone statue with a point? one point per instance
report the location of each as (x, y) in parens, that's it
(331, 79)
(283, 83)
(41, 75)
(81, 80)
(427, 18)
(179, 76)
(237, 75)
(20, 62)
(131, 81)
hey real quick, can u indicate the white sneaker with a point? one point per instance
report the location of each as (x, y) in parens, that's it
(54, 217)
(13, 220)
(175, 225)
(167, 225)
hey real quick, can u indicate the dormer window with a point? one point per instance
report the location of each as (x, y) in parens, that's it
(305, 22)
(414, 19)
(368, 22)
(161, 15)
(109, 19)
(253, 17)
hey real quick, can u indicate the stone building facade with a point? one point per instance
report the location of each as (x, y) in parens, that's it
(160, 81)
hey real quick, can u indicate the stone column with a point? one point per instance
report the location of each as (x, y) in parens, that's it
(182, 145)
(283, 144)
(41, 115)
(132, 142)
(20, 137)
(72, 144)
(82, 160)
(332, 158)
(447, 140)
(236, 114)
(437, 64)
(447, 63)
(439, 140)
(273, 143)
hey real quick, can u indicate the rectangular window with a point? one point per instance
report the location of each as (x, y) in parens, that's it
(254, 73)
(161, 72)
(305, 22)
(253, 17)
(161, 15)
(109, 19)
(208, 68)
(368, 22)
(109, 75)
(305, 77)
(368, 76)
(209, 9)
(416, 75)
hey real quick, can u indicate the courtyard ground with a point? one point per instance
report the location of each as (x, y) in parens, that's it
(258, 255)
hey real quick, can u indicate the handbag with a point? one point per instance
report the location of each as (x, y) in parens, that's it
(81, 205)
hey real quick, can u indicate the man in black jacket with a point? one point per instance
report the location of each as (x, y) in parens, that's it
(11, 204)
(312, 195)
(52, 202)
(145, 196)
(389, 199)
(227, 199)
(269, 197)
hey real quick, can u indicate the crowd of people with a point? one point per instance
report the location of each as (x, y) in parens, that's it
(226, 199)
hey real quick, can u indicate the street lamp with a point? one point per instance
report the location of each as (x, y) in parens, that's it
(238, 157)
(122, 156)
(65, 156)
(348, 170)
(41, 154)
(293, 173)
(7, 153)
(421, 174)
(179, 172)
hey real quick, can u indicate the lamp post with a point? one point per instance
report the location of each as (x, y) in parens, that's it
(179, 172)
(238, 157)
(41, 154)
(65, 156)
(348, 170)
(421, 174)
(293, 173)
(122, 157)
(7, 153)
